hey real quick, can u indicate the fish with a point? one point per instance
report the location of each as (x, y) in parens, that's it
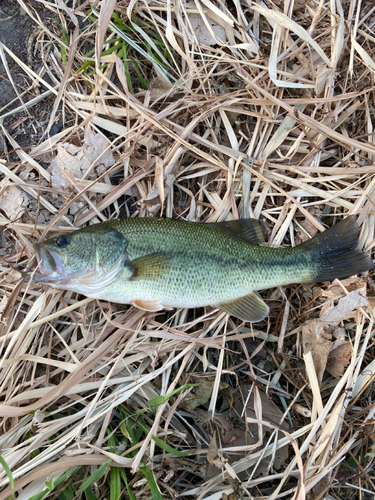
(160, 263)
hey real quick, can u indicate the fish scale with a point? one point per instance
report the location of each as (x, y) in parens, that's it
(166, 263)
(205, 266)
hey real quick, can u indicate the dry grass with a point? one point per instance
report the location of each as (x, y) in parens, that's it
(273, 120)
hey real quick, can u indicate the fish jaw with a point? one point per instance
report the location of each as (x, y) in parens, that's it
(49, 266)
(50, 269)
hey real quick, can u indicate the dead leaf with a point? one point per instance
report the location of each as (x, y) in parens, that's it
(310, 229)
(298, 5)
(340, 336)
(336, 291)
(199, 395)
(213, 456)
(203, 34)
(224, 423)
(227, 391)
(270, 411)
(13, 201)
(235, 431)
(98, 151)
(339, 359)
(238, 436)
(68, 158)
(318, 341)
(345, 306)
(320, 488)
(94, 154)
(158, 86)
(187, 465)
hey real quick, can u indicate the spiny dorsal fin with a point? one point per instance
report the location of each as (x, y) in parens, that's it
(248, 308)
(250, 230)
(150, 266)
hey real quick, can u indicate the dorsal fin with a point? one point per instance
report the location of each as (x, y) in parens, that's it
(248, 308)
(250, 230)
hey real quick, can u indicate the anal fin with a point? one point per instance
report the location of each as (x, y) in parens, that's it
(248, 308)
(147, 305)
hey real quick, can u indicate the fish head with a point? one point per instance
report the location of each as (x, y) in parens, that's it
(85, 260)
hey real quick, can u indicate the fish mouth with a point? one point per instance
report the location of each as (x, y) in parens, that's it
(49, 267)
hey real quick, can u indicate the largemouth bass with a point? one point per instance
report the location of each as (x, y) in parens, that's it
(166, 263)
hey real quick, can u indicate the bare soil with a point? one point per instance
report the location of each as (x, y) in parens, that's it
(18, 33)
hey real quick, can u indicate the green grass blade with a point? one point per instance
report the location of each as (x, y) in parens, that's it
(53, 483)
(158, 400)
(95, 476)
(65, 39)
(126, 67)
(169, 448)
(155, 492)
(154, 41)
(139, 49)
(115, 484)
(139, 75)
(129, 490)
(67, 493)
(9, 474)
(89, 494)
(40, 496)
(66, 476)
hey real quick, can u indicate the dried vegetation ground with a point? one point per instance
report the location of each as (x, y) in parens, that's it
(205, 110)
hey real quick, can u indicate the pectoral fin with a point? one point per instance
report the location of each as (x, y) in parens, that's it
(249, 308)
(150, 266)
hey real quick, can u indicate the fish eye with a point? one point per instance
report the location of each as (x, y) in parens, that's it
(63, 241)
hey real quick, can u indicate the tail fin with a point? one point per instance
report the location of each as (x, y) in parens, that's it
(335, 252)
